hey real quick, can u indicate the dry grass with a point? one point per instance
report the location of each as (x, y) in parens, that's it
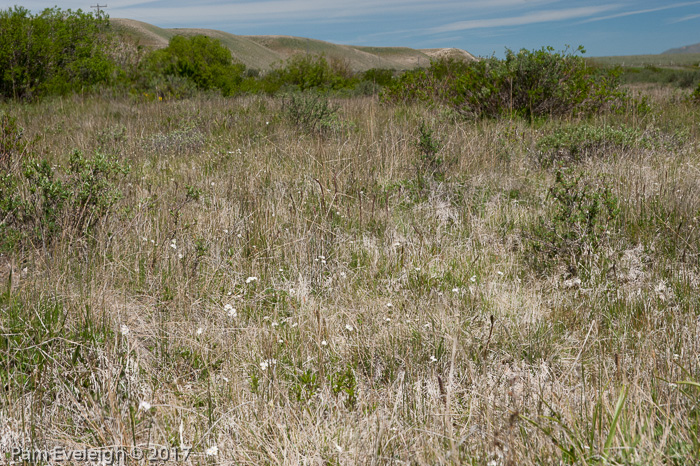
(389, 321)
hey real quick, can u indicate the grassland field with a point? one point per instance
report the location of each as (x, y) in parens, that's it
(398, 286)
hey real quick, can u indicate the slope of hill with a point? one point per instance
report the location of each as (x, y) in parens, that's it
(695, 48)
(264, 52)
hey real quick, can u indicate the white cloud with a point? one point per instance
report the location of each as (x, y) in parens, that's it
(268, 11)
(639, 12)
(543, 16)
(685, 18)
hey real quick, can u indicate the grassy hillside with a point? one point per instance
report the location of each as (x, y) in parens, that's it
(264, 52)
(695, 48)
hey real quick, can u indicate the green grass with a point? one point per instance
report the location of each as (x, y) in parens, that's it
(363, 293)
(662, 60)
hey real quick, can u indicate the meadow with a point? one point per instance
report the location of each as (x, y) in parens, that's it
(340, 278)
(487, 262)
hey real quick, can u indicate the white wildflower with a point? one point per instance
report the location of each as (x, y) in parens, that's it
(200, 330)
(212, 451)
(231, 311)
(144, 405)
(324, 343)
(267, 363)
(124, 330)
(251, 279)
(433, 358)
(349, 327)
(572, 282)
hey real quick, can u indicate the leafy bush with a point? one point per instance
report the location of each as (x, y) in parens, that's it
(379, 76)
(530, 84)
(695, 96)
(576, 142)
(54, 52)
(429, 163)
(309, 72)
(579, 223)
(39, 204)
(202, 60)
(311, 112)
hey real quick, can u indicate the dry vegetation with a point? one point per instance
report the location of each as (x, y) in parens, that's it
(393, 286)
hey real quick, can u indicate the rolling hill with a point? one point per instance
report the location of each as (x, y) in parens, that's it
(695, 48)
(265, 52)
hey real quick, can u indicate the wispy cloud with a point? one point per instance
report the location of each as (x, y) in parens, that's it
(640, 12)
(269, 11)
(685, 18)
(543, 16)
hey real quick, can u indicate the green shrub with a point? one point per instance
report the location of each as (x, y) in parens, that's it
(54, 52)
(39, 203)
(695, 96)
(311, 112)
(430, 164)
(308, 72)
(580, 221)
(576, 142)
(202, 60)
(530, 84)
(378, 76)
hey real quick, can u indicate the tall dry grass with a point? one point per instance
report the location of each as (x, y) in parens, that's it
(292, 297)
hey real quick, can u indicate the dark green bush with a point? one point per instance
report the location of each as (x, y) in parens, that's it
(381, 77)
(308, 72)
(54, 52)
(529, 84)
(202, 60)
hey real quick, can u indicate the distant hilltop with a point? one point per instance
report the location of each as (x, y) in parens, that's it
(264, 52)
(695, 48)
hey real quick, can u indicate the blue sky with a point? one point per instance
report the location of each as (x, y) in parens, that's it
(482, 27)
